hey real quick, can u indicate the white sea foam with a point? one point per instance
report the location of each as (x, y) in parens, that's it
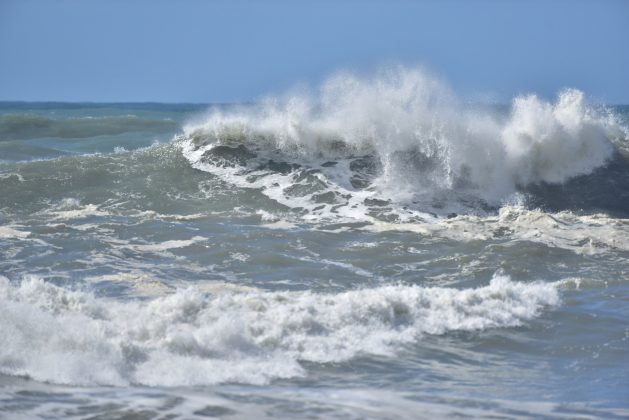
(166, 245)
(585, 234)
(420, 154)
(151, 214)
(286, 402)
(71, 208)
(10, 232)
(191, 337)
(424, 142)
(11, 175)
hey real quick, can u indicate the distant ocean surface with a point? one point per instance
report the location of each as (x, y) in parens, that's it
(374, 249)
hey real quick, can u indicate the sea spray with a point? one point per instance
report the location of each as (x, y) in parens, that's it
(421, 143)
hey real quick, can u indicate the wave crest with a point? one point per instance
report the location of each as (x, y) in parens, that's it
(422, 142)
(191, 338)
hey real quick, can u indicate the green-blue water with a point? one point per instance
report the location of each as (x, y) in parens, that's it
(353, 260)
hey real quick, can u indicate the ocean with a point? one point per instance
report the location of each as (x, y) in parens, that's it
(375, 248)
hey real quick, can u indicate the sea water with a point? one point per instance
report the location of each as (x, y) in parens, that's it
(374, 248)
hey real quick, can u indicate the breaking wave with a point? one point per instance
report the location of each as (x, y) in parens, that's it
(401, 139)
(192, 338)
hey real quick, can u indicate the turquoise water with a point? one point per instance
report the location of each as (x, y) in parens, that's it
(369, 256)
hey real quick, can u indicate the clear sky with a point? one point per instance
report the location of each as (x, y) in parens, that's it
(233, 50)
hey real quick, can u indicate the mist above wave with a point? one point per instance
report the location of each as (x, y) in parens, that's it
(419, 139)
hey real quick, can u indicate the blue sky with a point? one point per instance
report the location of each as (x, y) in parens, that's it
(230, 51)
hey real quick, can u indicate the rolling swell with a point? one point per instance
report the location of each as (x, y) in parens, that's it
(31, 126)
(146, 176)
(401, 140)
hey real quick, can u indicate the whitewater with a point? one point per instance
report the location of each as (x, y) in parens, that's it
(374, 247)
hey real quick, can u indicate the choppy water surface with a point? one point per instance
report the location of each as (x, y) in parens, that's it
(375, 249)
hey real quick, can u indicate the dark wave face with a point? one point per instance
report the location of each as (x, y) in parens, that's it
(602, 191)
(373, 249)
